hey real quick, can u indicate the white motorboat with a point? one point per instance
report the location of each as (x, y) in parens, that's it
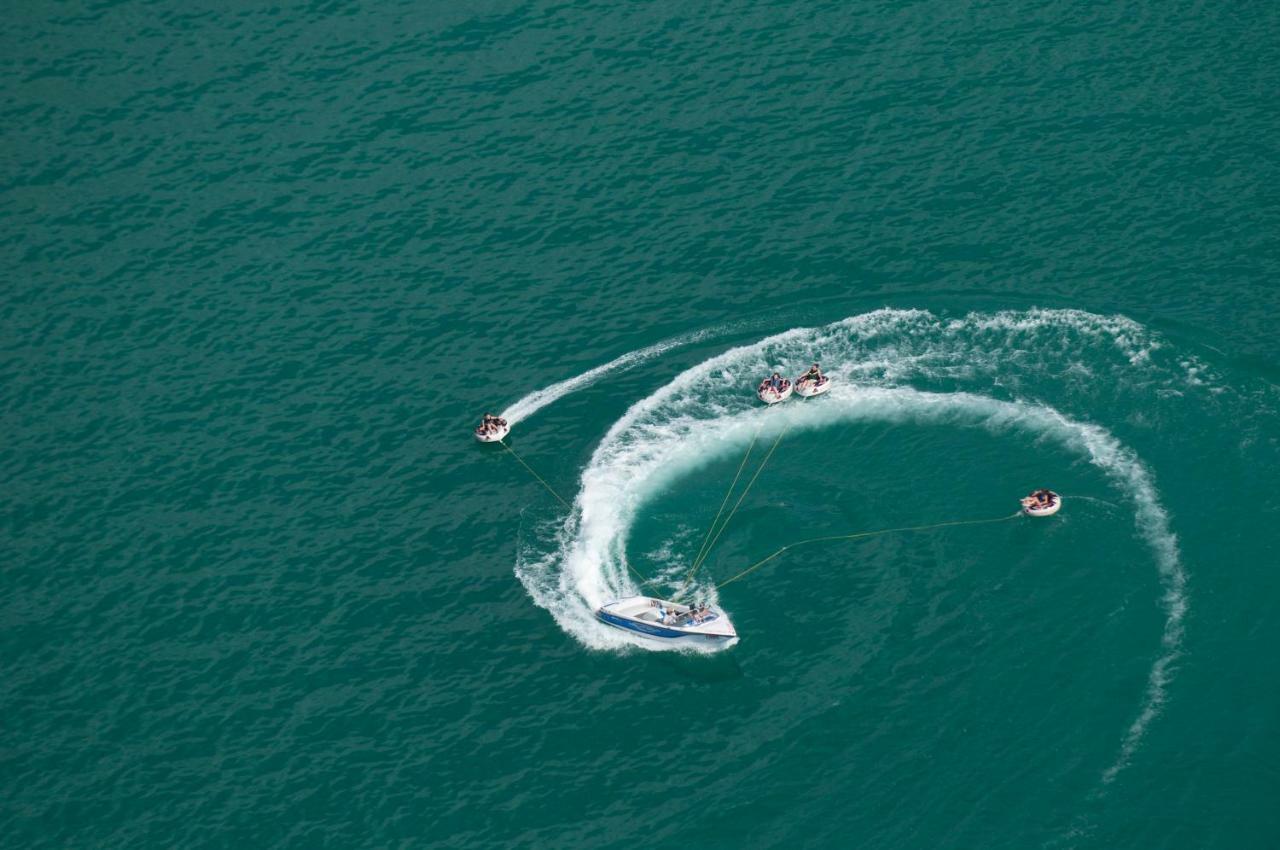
(492, 435)
(669, 622)
(1031, 506)
(809, 389)
(771, 395)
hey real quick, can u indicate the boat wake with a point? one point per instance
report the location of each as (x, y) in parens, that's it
(538, 399)
(900, 366)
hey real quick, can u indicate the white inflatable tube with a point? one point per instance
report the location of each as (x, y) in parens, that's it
(771, 396)
(493, 436)
(808, 389)
(1049, 510)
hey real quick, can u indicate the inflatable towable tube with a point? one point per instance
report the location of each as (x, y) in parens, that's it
(1031, 506)
(769, 395)
(492, 436)
(809, 389)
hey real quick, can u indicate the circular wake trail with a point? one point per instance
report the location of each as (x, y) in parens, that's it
(709, 412)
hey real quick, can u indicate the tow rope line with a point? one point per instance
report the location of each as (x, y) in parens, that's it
(698, 564)
(862, 534)
(540, 479)
(704, 551)
(727, 493)
(560, 499)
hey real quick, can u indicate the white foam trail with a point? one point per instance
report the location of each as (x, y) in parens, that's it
(1124, 333)
(538, 399)
(709, 411)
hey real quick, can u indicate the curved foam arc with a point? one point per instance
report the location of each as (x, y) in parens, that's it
(538, 399)
(705, 413)
(624, 473)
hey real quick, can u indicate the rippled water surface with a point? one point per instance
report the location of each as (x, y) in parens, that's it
(265, 265)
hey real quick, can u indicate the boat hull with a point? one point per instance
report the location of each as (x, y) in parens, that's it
(636, 615)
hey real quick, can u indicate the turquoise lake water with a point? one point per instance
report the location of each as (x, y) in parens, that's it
(266, 265)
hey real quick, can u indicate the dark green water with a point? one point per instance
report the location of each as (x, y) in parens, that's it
(264, 266)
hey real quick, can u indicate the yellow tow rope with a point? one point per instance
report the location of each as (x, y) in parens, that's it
(861, 534)
(703, 559)
(705, 550)
(727, 493)
(541, 480)
(561, 500)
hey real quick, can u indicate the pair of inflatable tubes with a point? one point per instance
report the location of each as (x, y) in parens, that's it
(806, 389)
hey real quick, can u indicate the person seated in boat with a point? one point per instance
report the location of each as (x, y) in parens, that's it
(814, 376)
(1038, 499)
(777, 382)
